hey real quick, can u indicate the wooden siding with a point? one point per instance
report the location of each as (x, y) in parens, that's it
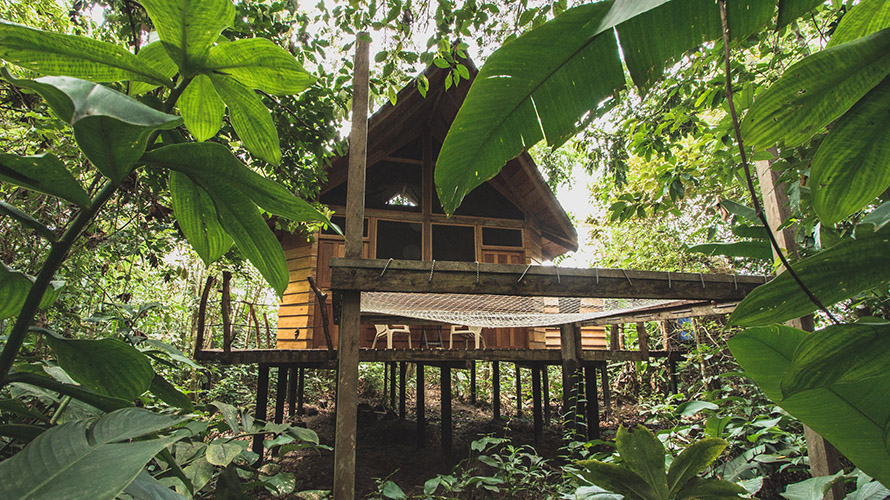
(295, 314)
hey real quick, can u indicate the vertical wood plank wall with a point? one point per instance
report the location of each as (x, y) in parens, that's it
(296, 312)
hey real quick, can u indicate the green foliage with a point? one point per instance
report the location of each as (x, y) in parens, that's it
(15, 286)
(642, 475)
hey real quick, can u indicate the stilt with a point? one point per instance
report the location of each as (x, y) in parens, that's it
(280, 392)
(291, 391)
(473, 382)
(496, 390)
(262, 399)
(403, 370)
(593, 405)
(607, 395)
(672, 374)
(421, 408)
(518, 391)
(301, 389)
(445, 392)
(545, 385)
(536, 398)
(570, 347)
(392, 385)
(385, 380)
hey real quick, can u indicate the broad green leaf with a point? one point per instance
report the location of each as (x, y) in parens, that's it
(250, 118)
(229, 413)
(850, 167)
(280, 484)
(878, 218)
(711, 489)
(105, 366)
(199, 472)
(817, 90)
(259, 64)
(216, 162)
(756, 232)
(694, 459)
(171, 351)
(751, 249)
(715, 426)
(27, 221)
(153, 55)
(595, 493)
(739, 210)
(222, 454)
(111, 128)
(17, 407)
(145, 487)
(201, 108)
(56, 463)
(813, 488)
(789, 10)
(188, 28)
(15, 287)
(838, 354)
(617, 478)
(197, 218)
(43, 173)
(391, 490)
(169, 394)
(852, 416)
(21, 432)
(71, 55)
(104, 403)
(643, 453)
(867, 17)
(840, 272)
(692, 408)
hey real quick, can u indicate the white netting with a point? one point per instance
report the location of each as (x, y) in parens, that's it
(498, 311)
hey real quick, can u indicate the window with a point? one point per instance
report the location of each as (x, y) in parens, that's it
(455, 243)
(399, 240)
(499, 237)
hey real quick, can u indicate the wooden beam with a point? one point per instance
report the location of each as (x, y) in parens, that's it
(570, 340)
(226, 307)
(447, 423)
(202, 315)
(350, 321)
(661, 313)
(403, 371)
(262, 401)
(496, 390)
(614, 334)
(824, 458)
(593, 406)
(323, 309)
(643, 339)
(420, 409)
(537, 410)
(539, 281)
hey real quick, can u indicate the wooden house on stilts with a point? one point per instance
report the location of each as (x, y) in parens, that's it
(513, 218)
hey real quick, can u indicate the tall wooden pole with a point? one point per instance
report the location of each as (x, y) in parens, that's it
(350, 323)
(823, 456)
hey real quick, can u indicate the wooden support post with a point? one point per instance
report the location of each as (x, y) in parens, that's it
(350, 320)
(280, 392)
(672, 374)
(202, 315)
(607, 393)
(268, 332)
(472, 382)
(614, 335)
(621, 337)
(445, 393)
(323, 309)
(518, 391)
(421, 407)
(291, 391)
(643, 339)
(226, 307)
(262, 401)
(537, 411)
(392, 385)
(593, 405)
(665, 335)
(570, 349)
(496, 390)
(403, 371)
(301, 389)
(824, 458)
(545, 386)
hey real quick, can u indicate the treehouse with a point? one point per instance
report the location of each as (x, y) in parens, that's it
(513, 218)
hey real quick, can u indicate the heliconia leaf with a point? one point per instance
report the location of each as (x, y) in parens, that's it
(106, 366)
(111, 128)
(217, 161)
(169, 394)
(817, 90)
(838, 354)
(789, 10)
(55, 464)
(15, 287)
(250, 118)
(711, 489)
(27, 221)
(259, 64)
(78, 392)
(846, 269)
(155, 56)
(43, 173)
(146, 487)
(643, 453)
(188, 28)
(197, 218)
(756, 232)
(70, 55)
(876, 219)
(751, 249)
(850, 166)
(867, 17)
(693, 460)
(739, 210)
(616, 478)
(851, 416)
(201, 108)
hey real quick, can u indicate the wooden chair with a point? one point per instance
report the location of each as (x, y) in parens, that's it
(467, 332)
(388, 331)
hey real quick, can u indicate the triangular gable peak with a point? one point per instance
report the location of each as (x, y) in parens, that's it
(403, 144)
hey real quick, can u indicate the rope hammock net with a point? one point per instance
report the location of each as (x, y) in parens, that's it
(498, 311)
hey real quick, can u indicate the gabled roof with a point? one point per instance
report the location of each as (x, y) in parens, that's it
(392, 128)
